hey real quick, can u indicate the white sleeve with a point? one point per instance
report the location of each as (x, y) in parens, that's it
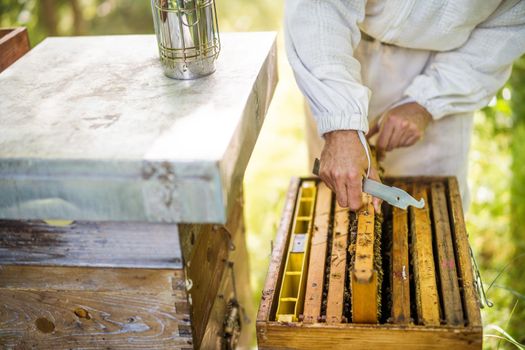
(321, 36)
(465, 79)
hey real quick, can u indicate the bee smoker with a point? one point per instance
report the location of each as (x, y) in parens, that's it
(188, 37)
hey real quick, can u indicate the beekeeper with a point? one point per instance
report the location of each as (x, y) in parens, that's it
(409, 73)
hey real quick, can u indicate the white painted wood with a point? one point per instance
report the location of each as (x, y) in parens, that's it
(91, 129)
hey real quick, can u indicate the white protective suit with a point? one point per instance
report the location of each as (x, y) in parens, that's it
(353, 60)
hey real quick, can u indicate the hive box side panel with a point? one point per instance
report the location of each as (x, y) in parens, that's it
(364, 278)
(92, 308)
(277, 336)
(204, 272)
(95, 244)
(233, 292)
(207, 251)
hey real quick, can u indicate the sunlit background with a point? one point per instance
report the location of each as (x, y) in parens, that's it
(497, 160)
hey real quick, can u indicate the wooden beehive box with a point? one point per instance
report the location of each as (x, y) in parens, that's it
(117, 285)
(399, 280)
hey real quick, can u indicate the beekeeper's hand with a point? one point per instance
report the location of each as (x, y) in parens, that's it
(401, 126)
(343, 167)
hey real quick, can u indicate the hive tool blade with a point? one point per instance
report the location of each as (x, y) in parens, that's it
(390, 194)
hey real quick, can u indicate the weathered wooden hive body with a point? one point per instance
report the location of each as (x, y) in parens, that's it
(123, 286)
(401, 279)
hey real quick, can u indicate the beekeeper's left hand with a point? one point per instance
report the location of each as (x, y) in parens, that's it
(401, 126)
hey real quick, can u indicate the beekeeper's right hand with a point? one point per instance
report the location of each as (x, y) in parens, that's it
(343, 167)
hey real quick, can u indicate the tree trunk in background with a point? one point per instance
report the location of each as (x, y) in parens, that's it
(516, 275)
(78, 19)
(48, 11)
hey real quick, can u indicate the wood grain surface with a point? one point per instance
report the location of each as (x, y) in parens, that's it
(234, 285)
(338, 274)
(427, 299)
(110, 311)
(364, 278)
(14, 43)
(470, 296)
(316, 267)
(105, 244)
(451, 298)
(275, 336)
(400, 268)
(204, 273)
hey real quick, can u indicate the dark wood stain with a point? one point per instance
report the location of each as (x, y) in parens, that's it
(90, 244)
(111, 313)
(44, 325)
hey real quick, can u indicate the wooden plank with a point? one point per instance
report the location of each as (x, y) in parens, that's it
(14, 43)
(451, 298)
(48, 278)
(98, 317)
(235, 285)
(465, 272)
(336, 288)
(364, 278)
(276, 336)
(427, 299)
(239, 269)
(204, 272)
(316, 267)
(400, 275)
(104, 244)
(206, 267)
(214, 332)
(273, 277)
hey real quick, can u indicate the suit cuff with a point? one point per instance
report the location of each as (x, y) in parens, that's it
(341, 121)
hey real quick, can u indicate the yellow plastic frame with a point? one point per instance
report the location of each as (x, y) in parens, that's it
(291, 294)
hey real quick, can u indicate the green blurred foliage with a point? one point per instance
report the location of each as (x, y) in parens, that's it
(497, 215)
(76, 17)
(102, 17)
(516, 280)
(497, 160)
